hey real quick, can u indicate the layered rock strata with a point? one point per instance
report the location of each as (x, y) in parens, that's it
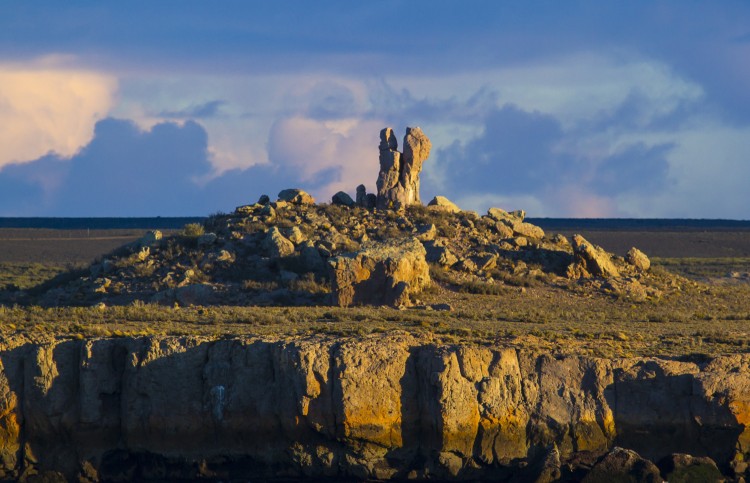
(385, 406)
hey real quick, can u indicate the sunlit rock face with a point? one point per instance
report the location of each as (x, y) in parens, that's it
(369, 407)
(398, 179)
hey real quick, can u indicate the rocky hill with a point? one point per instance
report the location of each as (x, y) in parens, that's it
(380, 249)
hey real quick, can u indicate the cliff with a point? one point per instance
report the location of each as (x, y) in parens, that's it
(381, 406)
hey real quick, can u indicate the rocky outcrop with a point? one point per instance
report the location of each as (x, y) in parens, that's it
(379, 407)
(380, 273)
(443, 204)
(398, 179)
(296, 196)
(638, 259)
(589, 259)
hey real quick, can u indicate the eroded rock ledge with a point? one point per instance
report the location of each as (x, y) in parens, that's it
(382, 406)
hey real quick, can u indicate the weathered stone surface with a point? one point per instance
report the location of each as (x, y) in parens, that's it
(510, 219)
(623, 465)
(379, 273)
(398, 179)
(443, 203)
(638, 259)
(590, 259)
(276, 244)
(206, 239)
(426, 233)
(342, 198)
(528, 230)
(296, 196)
(367, 407)
(149, 239)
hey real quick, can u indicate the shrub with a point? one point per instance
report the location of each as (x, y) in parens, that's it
(193, 230)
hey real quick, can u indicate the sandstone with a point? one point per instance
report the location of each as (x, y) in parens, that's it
(372, 407)
(342, 198)
(295, 235)
(444, 204)
(398, 179)
(296, 196)
(528, 230)
(510, 219)
(590, 259)
(638, 259)
(379, 273)
(276, 245)
(503, 229)
(426, 233)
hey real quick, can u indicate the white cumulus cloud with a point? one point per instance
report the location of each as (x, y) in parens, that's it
(46, 107)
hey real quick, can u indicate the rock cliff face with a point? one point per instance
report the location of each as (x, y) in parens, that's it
(386, 406)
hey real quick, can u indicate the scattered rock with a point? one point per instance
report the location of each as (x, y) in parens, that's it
(510, 219)
(264, 200)
(622, 464)
(444, 204)
(398, 179)
(310, 258)
(589, 259)
(638, 259)
(276, 245)
(296, 196)
(503, 229)
(379, 273)
(342, 198)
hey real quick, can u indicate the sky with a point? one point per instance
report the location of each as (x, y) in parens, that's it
(564, 109)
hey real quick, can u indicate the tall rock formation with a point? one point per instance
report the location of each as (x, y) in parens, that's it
(398, 180)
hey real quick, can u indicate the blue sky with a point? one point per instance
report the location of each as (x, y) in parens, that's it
(580, 108)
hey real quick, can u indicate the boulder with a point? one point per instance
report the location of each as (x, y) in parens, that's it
(341, 198)
(195, 294)
(296, 236)
(380, 273)
(510, 219)
(361, 195)
(264, 200)
(503, 230)
(296, 196)
(310, 258)
(622, 464)
(277, 245)
(426, 233)
(683, 468)
(398, 178)
(638, 259)
(528, 230)
(589, 259)
(149, 239)
(206, 239)
(444, 204)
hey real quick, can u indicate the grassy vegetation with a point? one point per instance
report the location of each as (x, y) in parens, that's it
(703, 268)
(26, 275)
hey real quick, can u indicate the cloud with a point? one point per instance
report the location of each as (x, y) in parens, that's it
(329, 155)
(198, 111)
(45, 108)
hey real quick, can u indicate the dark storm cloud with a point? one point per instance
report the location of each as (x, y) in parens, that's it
(524, 153)
(128, 172)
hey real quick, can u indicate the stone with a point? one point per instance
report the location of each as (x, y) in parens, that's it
(468, 265)
(206, 239)
(398, 178)
(264, 200)
(426, 233)
(528, 230)
(589, 259)
(361, 196)
(195, 294)
(486, 261)
(638, 259)
(310, 258)
(268, 212)
(149, 239)
(342, 198)
(503, 230)
(296, 196)
(498, 214)
(296, 236)
(277, 245)
(444, 204)
(380, 273)
(684, 468)
(371, 201)
(622, 464)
